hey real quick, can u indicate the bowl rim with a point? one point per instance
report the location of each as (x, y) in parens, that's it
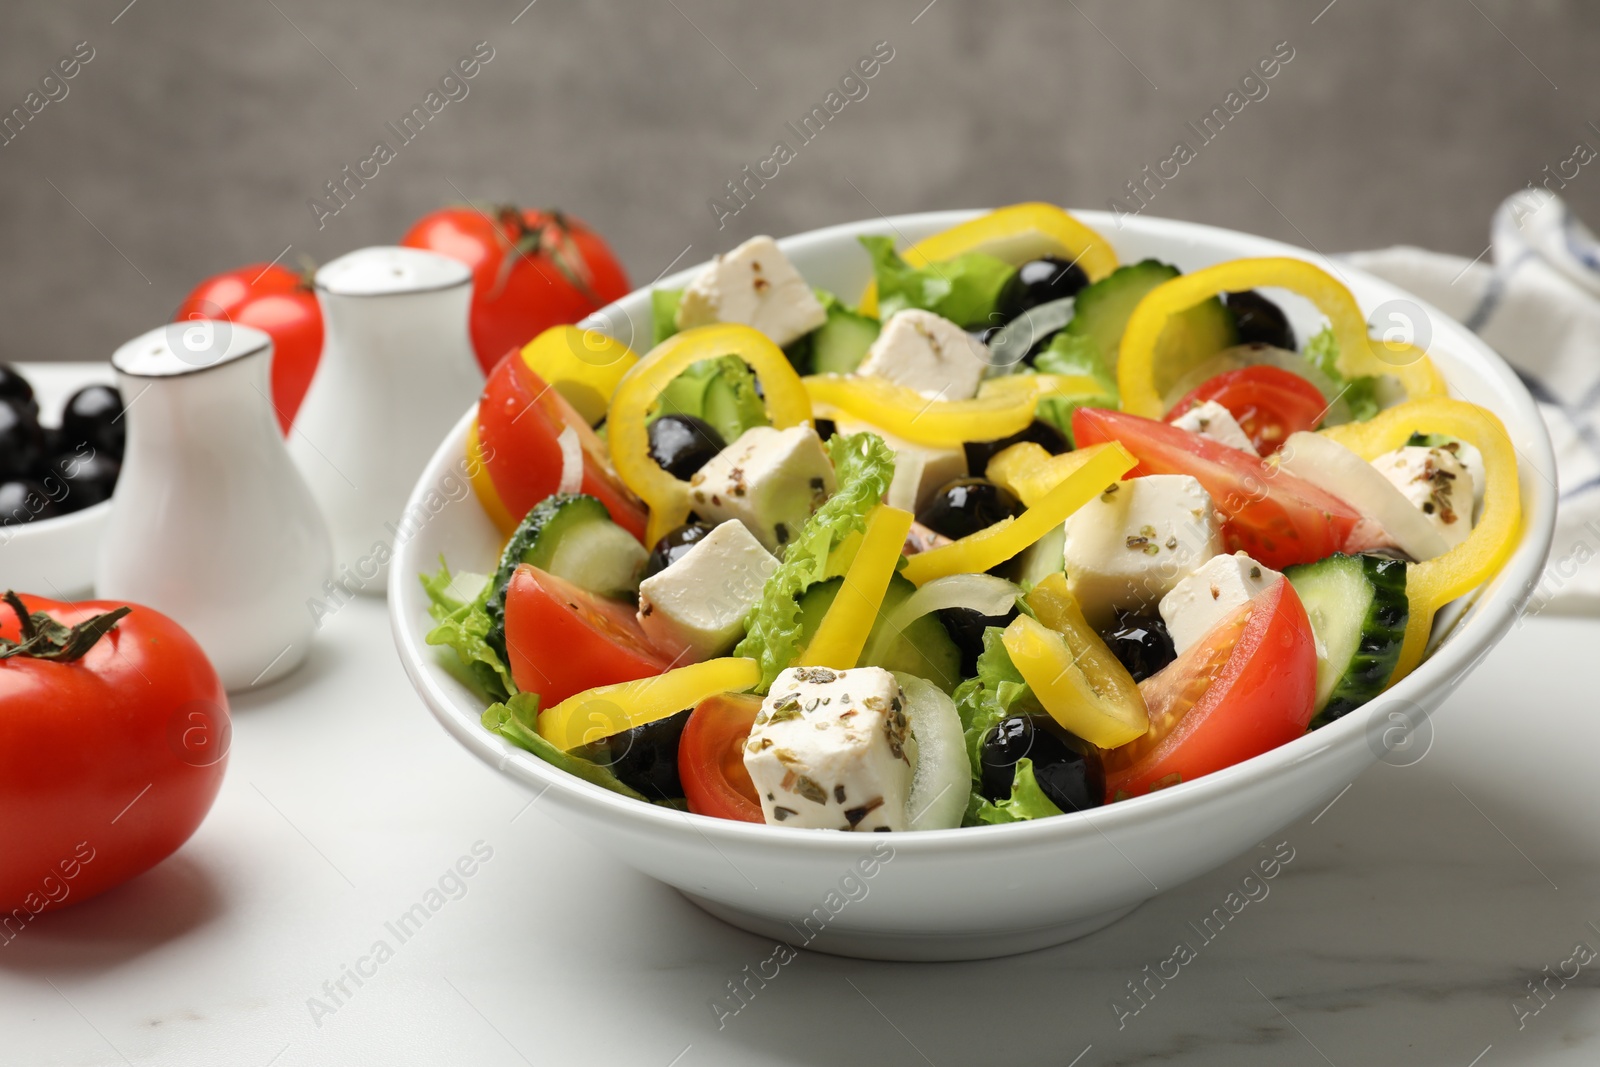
(1455, 656)
(82, 517)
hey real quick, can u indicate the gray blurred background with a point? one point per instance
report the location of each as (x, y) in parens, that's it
(194, 138)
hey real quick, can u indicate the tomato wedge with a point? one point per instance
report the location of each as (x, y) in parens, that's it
(562, 640)
(1269, 403)
(520, 422)
(1249, 686)
(711, 758)
(1277, 518)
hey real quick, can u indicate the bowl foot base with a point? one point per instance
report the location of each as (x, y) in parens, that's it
(928, 947)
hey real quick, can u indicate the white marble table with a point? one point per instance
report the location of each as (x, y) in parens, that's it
(1415, 910)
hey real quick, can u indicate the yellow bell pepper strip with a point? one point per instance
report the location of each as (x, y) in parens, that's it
(597, 713)
(1142, 380)
(842, 634)
(483, 485)
(1030, 472)
(1435, 583)
(629, 437)
(909, 415)
(1014, 234)
(993, 546)
(1072, 672)
(583, 365)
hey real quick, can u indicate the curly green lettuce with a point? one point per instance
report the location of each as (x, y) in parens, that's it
(864, 466)
(1361, 394)
(517, 720)
(458, 605)
(964, 290)
(1074, 354)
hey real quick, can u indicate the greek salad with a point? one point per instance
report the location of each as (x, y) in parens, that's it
(1020, 531)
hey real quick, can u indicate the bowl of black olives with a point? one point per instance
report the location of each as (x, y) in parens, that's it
(61, 442)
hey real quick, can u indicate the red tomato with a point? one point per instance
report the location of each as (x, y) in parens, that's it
(1269, 403)
(1277, 518)
(711, 758)
(562, 640)
(520, 420)
(107, 762)
(1249, 686)
(530, 270)
(279, 301)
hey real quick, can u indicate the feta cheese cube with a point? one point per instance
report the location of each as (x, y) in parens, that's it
(1211, 419)
(922, 351)
(918, 470)
(771, 480)
(1128, 547)
(1437, 482)
(833, 750)
(1211, 594)
(757, 286)
(695, 607)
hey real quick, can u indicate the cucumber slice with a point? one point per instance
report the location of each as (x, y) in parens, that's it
(1043, 558)
(1103, 310)
(923, 648)
(942, 779)
(571, 536)
(1358, 610)
(839, 345)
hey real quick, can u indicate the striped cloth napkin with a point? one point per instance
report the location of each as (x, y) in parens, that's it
(1538, 305)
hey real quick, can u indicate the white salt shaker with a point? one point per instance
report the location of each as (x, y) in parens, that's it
(397, 371)
(211, 523)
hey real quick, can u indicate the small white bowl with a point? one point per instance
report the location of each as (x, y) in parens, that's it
(56, 557)
(994, 890)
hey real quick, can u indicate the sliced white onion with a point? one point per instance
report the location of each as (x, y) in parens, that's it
(1331, 466)
(571, 461)
(942, 776)
(983, 593)
(1008, 347)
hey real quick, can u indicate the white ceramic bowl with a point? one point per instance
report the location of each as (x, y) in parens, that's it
(994, 890)
(56, 557)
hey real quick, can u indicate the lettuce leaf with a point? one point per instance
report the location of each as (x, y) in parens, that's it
(1361, 394)
(663, 314)
(1027, 801)
(964, 290)
(1074, 354)
(457, 605)
(864, 466)
(517, 719)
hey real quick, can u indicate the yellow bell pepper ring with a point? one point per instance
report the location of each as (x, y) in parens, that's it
(1030, 472)
(993, 546)
(583, 365)
(483, 485)
(598, 713)
(629, 438)
(1002, 407)
(1433, 584)
(1140, 379)
(843, 632)
(1014, 234)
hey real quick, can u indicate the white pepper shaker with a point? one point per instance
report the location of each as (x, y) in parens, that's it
(397, 371)
(211, 523)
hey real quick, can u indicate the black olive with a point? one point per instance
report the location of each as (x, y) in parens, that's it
(1259, 320)
(22, 441)
(682, 444)
(24, 501)
(645, 758)
(1141, 643)
(826, 428)
(93, 416)
(1040, 281)
(89, 477)
(979, 453)
(1067, 769)
(673, 546)
(14, 386)
(965, 627)
(966, 506)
